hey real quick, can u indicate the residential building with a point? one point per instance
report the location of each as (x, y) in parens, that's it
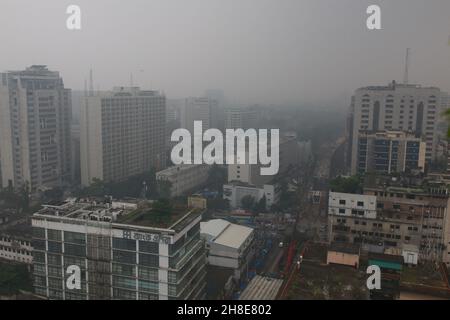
(15, 238)
(395, 107)
(197, 109)
(184, 178)
(396, 216)
(35, 115)
(241, 118)
(122, 134)
(229, 245)
(390, 151)
(123, 250)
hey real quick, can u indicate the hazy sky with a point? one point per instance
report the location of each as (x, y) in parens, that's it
(256, 51)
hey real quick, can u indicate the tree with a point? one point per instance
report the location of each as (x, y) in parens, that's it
(217, 177)
(351, 184)
(260, 206)
(248, 202)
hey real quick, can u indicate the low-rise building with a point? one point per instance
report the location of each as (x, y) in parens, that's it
(235, 191)
(344, 254)
(392, 213)
(184, 178)
(229, 245)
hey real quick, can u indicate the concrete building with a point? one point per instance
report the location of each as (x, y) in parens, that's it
(122, 134)
(123, 253)
(15, 238)
(395, 107)
(229, 245)
(184, 178)
(197, 109)
(262, 288)
(241, 118)
(35, 115)
(395, 217)
(390, 151)
(234, 192)
(290, 154)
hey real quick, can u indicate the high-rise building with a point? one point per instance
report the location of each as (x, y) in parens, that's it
(396, 107)
(197, 109)
(241, 118)
(123, 251)
(390, 152)
(35, 115)
(122, 134)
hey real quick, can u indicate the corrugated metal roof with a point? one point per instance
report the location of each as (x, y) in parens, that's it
(262, 288)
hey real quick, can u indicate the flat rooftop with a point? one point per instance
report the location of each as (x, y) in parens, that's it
(226, 233)
(262, 288)
(143, 214)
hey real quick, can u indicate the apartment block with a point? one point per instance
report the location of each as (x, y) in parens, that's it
(35, 116)
(396, 217)
(122, 134)
(395, 107)
(390, 151)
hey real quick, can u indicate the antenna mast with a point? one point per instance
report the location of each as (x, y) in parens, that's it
(405, 77)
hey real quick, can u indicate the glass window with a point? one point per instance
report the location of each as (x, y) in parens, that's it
(148, 286)
(124, 256)
(54, 246)
(54, 234)
(149, 260)
(39, 269)
(124, 244)
(74, 250)
(124, 270)
(149, 247)
(38, 233)
(148, 274)
(124, 282)
(39, 245)
(54, 259)
(39, 257)
(74, 237)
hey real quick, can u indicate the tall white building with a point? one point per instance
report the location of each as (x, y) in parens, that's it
(396, 107)
(35, 115)
(122, 134)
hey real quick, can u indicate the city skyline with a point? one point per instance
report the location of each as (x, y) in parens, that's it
(271, 54)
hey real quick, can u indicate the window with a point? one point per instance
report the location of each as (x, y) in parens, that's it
(342, 202)
(74, 237)
(148, 274)
(124, 244)
(341, 211)
(149, 260)
(149, 247)
(74, 250)
(360, 203)
(124, 256)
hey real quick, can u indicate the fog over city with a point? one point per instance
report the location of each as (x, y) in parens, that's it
(256, 51)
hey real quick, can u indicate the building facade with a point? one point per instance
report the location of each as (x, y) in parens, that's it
(234, 192)
(229, 246)
(198, 109)
(122, 253)
(393, 219)
(35, 116)
(389, 152)
(395, 107)
(184, 178)
(122, 134)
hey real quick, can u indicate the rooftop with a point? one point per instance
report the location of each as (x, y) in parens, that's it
(226, 233)
(144, 214)
(262, 288)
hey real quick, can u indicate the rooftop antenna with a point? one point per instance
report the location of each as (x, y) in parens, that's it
(91, 83)
(405, 77)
